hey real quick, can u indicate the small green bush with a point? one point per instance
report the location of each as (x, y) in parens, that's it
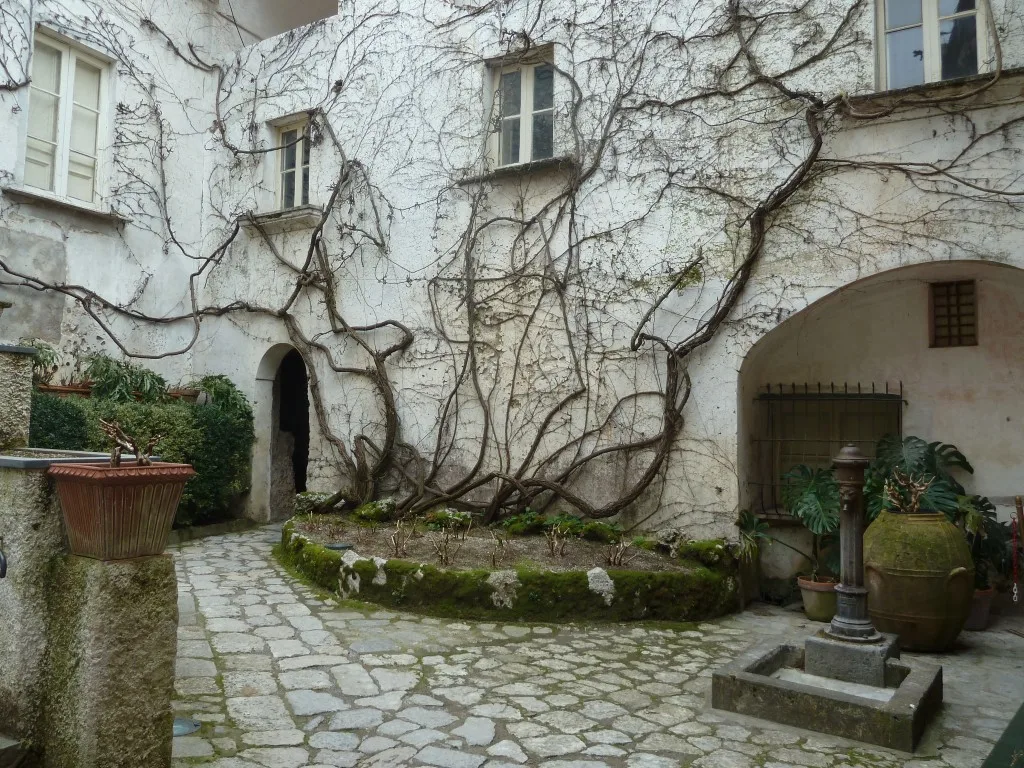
(380, 511)
(525, 523)
(569, 525)
(606, 533)
(216, 440)
(58, 423)
(438, 519)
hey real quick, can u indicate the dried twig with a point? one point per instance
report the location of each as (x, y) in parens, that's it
(400, 538)
(617, 553)
(558, 538)
(502, 548)
(112, 429)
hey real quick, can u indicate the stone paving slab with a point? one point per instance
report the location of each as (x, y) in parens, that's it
(280, 678)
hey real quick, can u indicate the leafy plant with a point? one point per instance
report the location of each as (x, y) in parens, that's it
(123, 381)
(568, 525)
(59, 423)
(224, 394)
(913, 457)
(525, 523)
(45, 361)
(438, 519)
(606, 533)
(988, 538)
(812, 497)
(753, 531)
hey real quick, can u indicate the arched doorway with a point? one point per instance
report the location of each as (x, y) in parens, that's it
(281, 449)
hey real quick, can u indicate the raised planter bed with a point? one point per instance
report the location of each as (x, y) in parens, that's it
(688, 590)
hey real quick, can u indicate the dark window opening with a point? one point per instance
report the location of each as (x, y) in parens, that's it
(954, 314)
(293, 413)
(809, 424)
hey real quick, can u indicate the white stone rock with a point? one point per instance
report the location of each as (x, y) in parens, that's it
(505, 585)
(477, 731)
(428, 718)
(339, 741)
(394, 680)
(281, 738)
(448, 758)
(277, 757)
(554, 745)
(357, 719)
(508, 749)
(600, 582)
(306, 702)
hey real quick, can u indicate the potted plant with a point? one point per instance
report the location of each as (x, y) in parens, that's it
(989, 542)
(752, 532)
(812, 497)
(917, 564)
(115, 511)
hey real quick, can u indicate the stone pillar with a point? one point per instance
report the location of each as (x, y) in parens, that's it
(110, 676)
(851, 621)
(15, 395)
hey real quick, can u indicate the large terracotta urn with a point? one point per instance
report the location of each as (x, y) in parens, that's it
(920, 579)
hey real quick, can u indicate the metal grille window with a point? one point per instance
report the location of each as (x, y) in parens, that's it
(808, 424)
(954, 314)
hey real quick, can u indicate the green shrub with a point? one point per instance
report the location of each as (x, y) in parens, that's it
(569, 525)
(380, 511)
(124, 381)
(58, 423)
(438, 519)
(606, 533)
(216, 440)
(525, 523)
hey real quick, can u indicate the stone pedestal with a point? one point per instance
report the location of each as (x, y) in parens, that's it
(111, 671)
(15, 395)
(862, 663)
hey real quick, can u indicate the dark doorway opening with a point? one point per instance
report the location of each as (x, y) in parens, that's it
(292, 389)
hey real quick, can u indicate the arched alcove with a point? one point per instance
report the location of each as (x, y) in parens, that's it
(934, 350)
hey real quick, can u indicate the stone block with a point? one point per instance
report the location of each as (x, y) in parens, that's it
(863, 663)
(15, 395)
(747, 687)
(111, 672)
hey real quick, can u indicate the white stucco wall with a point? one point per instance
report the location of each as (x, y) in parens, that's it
(401, 89)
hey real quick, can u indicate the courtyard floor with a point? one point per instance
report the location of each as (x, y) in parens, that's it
(281, 679)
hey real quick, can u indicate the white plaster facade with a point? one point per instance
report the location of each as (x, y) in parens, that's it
(675, 146)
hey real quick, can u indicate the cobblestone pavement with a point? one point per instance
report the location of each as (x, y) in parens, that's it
(281, 679)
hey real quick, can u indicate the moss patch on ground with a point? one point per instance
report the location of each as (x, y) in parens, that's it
(697, 591)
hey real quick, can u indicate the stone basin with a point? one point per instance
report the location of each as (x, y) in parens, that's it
(769, 682)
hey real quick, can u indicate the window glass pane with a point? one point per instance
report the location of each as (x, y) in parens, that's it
(543, 87)
(81, 177)
(288, 153)
(305, 186)
(959, 47)
(902, 13)
(83, 130)
(46, 68)
(42, 115)
(288, 190)
(509, 141)
(305, 151)
(905, 57)
(543, 135)
(510, 93)
(87, 85)
(39, 163)
(949, 7)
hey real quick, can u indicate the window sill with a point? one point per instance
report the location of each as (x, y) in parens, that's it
(45, 199)
(523, 169)
(288, 220)
(923, 95)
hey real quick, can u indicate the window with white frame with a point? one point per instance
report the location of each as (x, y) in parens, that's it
(66, 120)
(293, 165)
(926, 41)
(525, 108)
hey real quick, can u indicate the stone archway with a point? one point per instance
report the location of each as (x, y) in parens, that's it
(281, 449)
(870, 347)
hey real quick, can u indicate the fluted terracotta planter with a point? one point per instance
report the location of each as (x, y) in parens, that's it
(920, 579)
(117, 513)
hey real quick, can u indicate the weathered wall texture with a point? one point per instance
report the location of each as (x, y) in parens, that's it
(15, 396)
(471, 337)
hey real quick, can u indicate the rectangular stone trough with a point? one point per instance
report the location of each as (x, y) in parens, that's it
(770, 683)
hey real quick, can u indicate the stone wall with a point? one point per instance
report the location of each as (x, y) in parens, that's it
(15, 395)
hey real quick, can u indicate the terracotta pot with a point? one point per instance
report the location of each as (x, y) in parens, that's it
(981, 610)
(116, 513)
(920, 579)
(819, 598)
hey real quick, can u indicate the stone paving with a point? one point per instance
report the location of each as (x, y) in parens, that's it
(280, 678)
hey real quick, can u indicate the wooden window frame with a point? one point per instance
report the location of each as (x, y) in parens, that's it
(526, 67)
(930, 23)
(71, 53)
(303, 163)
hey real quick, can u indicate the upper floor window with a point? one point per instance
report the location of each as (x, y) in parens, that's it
(930, 40)
(293, 165)
(525, 102)
(66, 117)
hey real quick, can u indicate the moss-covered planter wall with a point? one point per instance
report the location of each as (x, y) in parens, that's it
(706, 590)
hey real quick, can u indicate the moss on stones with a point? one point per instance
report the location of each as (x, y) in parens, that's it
(527, 594)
